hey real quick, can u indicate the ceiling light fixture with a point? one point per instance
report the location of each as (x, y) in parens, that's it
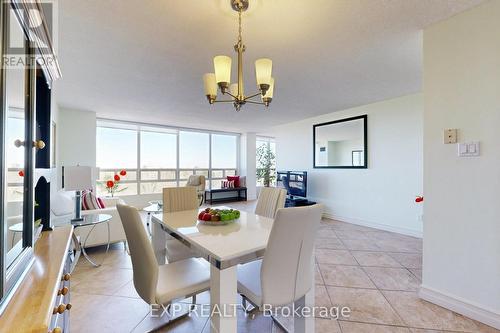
(222, 77)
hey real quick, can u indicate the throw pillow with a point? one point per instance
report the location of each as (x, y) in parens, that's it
(89, 201)
(227, 184)
(236, 180)
(101, 203)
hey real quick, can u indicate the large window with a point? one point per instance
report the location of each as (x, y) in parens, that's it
(266, 161)
(158, 157)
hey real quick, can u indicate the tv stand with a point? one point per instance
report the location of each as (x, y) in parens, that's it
(298, 202)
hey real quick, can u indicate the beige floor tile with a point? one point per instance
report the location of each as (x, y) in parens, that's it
(321, 297)
(416, 272)
(335, 257)
(97, 313)
(386, 278)
(322, 325)
(128, 290)
(366, 305)
(345, 276)
(418, 313)
(329, 243)
(318, 279)
(396, 245)
(193, 323)
(351, 234)
(361, 244)
(116, 257)
(408, 260)
(326, 232)
(101, 280)
(378, 259)
(327, 326)
(351, 327)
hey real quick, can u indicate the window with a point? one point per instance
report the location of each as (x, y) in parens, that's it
(266, 161)
(194, 150)
(156, 157)
(114, 147)
(158, 150)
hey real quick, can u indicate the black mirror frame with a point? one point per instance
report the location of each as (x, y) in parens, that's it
(365, 133)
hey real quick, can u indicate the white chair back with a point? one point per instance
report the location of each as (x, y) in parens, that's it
(144, 264)
(287, 267)
(176, 199)
(270, 200)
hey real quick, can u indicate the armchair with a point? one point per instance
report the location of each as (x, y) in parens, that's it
(198, 181)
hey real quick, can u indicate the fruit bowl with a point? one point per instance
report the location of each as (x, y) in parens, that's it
(218, 216)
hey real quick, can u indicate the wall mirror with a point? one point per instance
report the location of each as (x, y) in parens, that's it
(341, 144)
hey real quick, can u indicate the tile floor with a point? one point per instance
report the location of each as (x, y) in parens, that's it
(374, 273)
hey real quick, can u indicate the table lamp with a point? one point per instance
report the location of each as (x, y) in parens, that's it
(78, 178)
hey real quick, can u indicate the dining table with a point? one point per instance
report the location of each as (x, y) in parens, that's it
(224, 247)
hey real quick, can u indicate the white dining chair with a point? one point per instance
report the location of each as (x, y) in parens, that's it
(160, 284)
(285, 274)
(270, 200)
(177, 199)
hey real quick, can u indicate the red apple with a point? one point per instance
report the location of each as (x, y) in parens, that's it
(200, 216)
(207, 217)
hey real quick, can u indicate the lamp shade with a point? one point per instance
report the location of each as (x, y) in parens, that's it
(263, 71)
(77, 178)
(210, 84)
(222, 65)
(270, 91)
(233, 89)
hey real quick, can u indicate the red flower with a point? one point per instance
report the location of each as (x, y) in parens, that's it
(21, 173)
(123, 173)
(419, 199)
(117, 178)
(110, 184)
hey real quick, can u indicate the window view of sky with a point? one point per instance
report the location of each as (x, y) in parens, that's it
(15, 130)
(224, 151)
(117, 149)
(193, 150)
(158, 150)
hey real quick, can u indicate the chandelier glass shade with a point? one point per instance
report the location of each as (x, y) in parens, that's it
(221, 78)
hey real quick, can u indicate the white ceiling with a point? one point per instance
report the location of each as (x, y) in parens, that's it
(143, 60)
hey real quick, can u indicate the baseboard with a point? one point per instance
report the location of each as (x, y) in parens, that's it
(385, 227)
(460, 305)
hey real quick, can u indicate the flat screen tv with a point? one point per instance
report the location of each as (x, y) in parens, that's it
(295, 182)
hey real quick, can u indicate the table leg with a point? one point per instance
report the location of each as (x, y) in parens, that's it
(223, 298)
(159, 242)
(84, 252)
(78, 252)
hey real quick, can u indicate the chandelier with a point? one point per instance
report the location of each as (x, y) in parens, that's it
(222, 77)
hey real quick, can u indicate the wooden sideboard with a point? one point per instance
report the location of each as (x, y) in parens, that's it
(40, 304)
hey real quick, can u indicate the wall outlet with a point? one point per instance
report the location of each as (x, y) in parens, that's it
(450, 136)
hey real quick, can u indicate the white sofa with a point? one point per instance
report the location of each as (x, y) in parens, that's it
(62, 207)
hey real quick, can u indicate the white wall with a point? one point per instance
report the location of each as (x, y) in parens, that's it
(77, 137)
(462, 195)
(248, 150)
(382, 195)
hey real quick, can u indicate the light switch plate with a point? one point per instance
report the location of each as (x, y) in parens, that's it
(468, 149)
(450, 136)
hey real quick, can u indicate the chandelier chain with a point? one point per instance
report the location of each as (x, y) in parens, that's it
(240, 39)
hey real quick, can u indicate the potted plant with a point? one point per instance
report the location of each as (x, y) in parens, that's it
(113, 185)
(265, 164)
